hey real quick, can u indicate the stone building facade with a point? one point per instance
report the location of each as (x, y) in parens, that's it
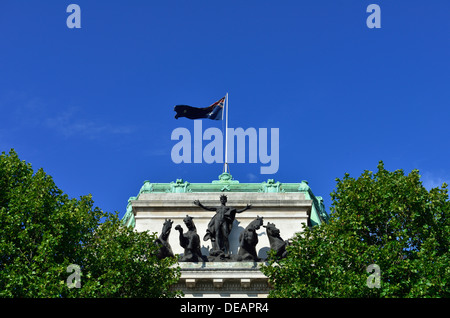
(287, 205)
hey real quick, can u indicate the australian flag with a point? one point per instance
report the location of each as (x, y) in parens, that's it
(212, 112)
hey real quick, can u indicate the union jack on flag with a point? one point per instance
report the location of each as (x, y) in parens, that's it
(213, 111)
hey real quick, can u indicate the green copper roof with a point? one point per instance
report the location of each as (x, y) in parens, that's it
(226, 183)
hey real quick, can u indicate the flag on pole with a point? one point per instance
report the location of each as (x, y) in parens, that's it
(213, 111)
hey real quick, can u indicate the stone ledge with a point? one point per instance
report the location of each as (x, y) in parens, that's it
(243, 278)
(221, 266)
(212, 285)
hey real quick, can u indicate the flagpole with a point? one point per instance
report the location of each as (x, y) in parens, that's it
(226, 135)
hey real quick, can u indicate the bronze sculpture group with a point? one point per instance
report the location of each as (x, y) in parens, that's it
(218, 231)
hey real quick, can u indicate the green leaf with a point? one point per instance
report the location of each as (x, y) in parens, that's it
(43, 231)
(384, 218)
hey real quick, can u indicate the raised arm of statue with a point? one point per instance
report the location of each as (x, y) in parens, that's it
(249, 206)
(197, 203)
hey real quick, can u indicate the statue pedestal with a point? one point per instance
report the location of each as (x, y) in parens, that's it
(222, 279)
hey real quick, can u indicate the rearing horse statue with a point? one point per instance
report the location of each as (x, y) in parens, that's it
(276, 242)
(190, 241)
(248, 240)
(165, 250)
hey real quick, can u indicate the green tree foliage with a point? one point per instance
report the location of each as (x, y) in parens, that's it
(384, 218)
(43, 231)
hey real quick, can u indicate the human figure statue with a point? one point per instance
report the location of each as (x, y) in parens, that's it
(248, 240)
(165, 250)
(190, 241)
(276, 242)
(219, 227)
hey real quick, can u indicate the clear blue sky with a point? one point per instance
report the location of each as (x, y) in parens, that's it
(94, 106)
